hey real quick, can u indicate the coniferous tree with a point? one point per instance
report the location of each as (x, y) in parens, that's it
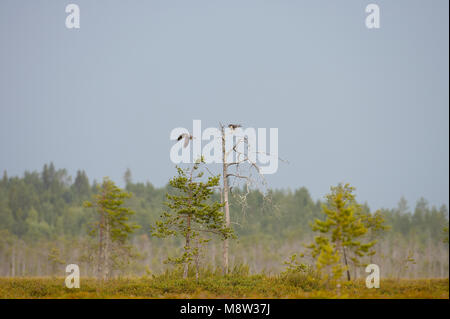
(191, 216)
(113, 226)
(445, 234)
(343, 227)
(127, 177)
(81, 185)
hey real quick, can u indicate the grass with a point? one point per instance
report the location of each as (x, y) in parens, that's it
(233, 286)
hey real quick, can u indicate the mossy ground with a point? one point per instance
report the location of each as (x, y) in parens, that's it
(258, 286)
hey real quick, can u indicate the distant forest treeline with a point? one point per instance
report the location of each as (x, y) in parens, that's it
(43, 225)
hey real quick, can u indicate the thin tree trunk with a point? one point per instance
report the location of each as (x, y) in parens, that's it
(346, 263)
(226, 203)
(197, 262)
(38, 269)
(23, 262)
(187, 246)
(106, 267)
(213, 253)
(101, 243)
(103, 232)
(13, 262)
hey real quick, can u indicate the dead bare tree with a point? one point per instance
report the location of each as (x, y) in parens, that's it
(240, 170)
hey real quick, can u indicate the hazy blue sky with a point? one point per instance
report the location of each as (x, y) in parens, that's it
(370, 107)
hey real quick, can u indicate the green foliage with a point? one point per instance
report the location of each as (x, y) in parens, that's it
(80, 188)
(301, 275)
(286, 219)
(328, 259)
(61, 218)
(113, 227)
(240, 269)
(405, 263)
(191, 214)
(216, 286)
(55, 258)
(108, 204)
(445, 231)
(343, 228)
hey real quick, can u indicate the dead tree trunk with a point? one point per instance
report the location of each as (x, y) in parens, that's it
(225, 202)
(241, 160)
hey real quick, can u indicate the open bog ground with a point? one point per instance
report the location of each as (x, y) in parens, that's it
(258, 286)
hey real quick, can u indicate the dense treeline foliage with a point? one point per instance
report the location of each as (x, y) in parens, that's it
(43, 224)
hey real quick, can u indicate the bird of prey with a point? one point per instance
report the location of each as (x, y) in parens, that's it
(234, 126)
(187, 137)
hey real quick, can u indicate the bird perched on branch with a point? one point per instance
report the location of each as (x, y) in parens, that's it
(234, 126)
(187, 137)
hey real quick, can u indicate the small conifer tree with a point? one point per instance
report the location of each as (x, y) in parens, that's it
(190, 214)
(342, 232)
(113, 227)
